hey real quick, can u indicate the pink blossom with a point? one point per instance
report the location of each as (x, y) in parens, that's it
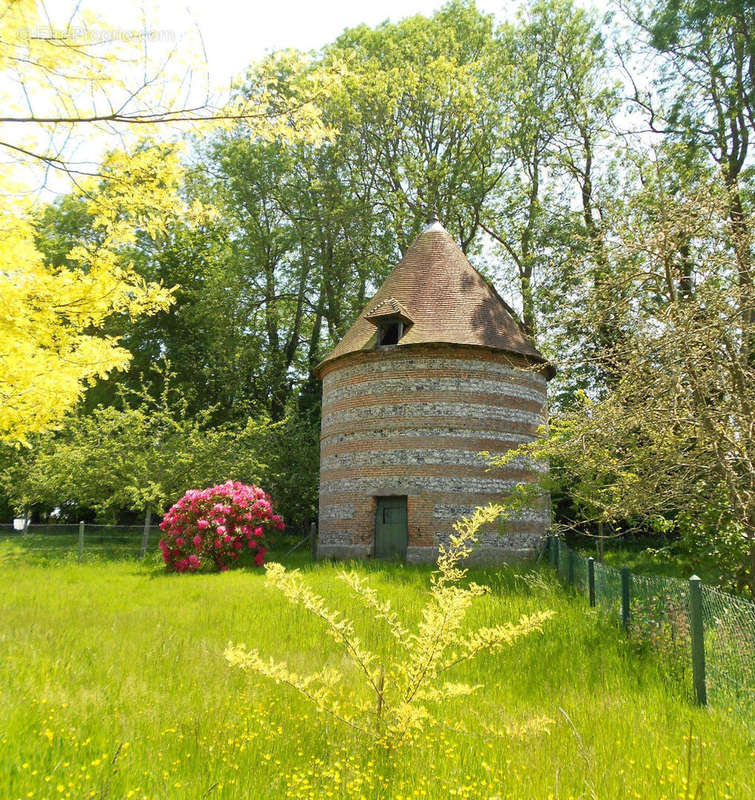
(259, 559)
(234, 511)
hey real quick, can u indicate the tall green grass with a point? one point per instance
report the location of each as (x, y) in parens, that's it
(113, 685)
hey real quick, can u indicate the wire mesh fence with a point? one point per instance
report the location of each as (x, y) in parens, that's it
(580, 573)
(705, 637)
(40, 543)
(729, 625)
(88, 542)
(607, 586)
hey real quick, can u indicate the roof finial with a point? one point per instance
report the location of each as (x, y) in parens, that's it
(433, 224)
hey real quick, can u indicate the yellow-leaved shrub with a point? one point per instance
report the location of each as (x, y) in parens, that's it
(399, 695)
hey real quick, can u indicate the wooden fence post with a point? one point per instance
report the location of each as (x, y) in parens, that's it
(697, 635)
(625, 597)
(556, 553)
(570, 562)
(313, 540)
(145, 535)
(82, 525)
(591, 580)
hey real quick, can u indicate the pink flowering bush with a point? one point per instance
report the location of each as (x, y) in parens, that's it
(218, 527)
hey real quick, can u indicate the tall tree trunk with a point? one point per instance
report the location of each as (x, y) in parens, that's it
(742, 239)
(529, 319)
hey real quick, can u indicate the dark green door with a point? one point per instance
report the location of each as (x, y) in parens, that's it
(391, 532)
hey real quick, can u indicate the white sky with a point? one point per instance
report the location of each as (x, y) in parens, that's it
(236, 33)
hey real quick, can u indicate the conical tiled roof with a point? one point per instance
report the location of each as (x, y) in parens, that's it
(446, 298)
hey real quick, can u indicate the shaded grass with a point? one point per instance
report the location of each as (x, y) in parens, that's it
(669, 561)
(113, 685)
(51, 545)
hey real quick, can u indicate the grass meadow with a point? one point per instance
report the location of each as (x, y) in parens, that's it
(113, 685)
(648, 559)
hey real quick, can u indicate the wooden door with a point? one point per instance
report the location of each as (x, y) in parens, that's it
(391, 530)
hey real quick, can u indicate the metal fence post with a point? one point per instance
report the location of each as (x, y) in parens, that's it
(556, 552)
(145, 535)
(591, 580)
(625, 597)
(697, 636)
(313, 540)
(570, 562)
(82, 525)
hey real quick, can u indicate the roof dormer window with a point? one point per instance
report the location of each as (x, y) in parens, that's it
(391, 320)
(389, 332)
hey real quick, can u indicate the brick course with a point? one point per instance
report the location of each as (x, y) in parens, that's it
(411, 421)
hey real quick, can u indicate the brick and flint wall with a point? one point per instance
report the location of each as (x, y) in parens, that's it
(411, 421)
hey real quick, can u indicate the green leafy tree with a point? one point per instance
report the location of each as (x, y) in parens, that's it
(672, 440)
(140, 456)
(706, 94)
(559, 100)
(425, 116)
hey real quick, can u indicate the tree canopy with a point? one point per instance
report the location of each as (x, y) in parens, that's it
(598, 170)
(57, 82)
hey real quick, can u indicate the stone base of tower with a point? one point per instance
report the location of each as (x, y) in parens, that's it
(341, 552)
(482, 555)
(521, 539)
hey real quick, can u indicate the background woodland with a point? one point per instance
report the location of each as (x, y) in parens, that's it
(597, 170)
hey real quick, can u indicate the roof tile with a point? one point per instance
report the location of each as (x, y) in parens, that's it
(446, 298)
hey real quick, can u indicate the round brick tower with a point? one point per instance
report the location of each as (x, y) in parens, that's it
(432, 372)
